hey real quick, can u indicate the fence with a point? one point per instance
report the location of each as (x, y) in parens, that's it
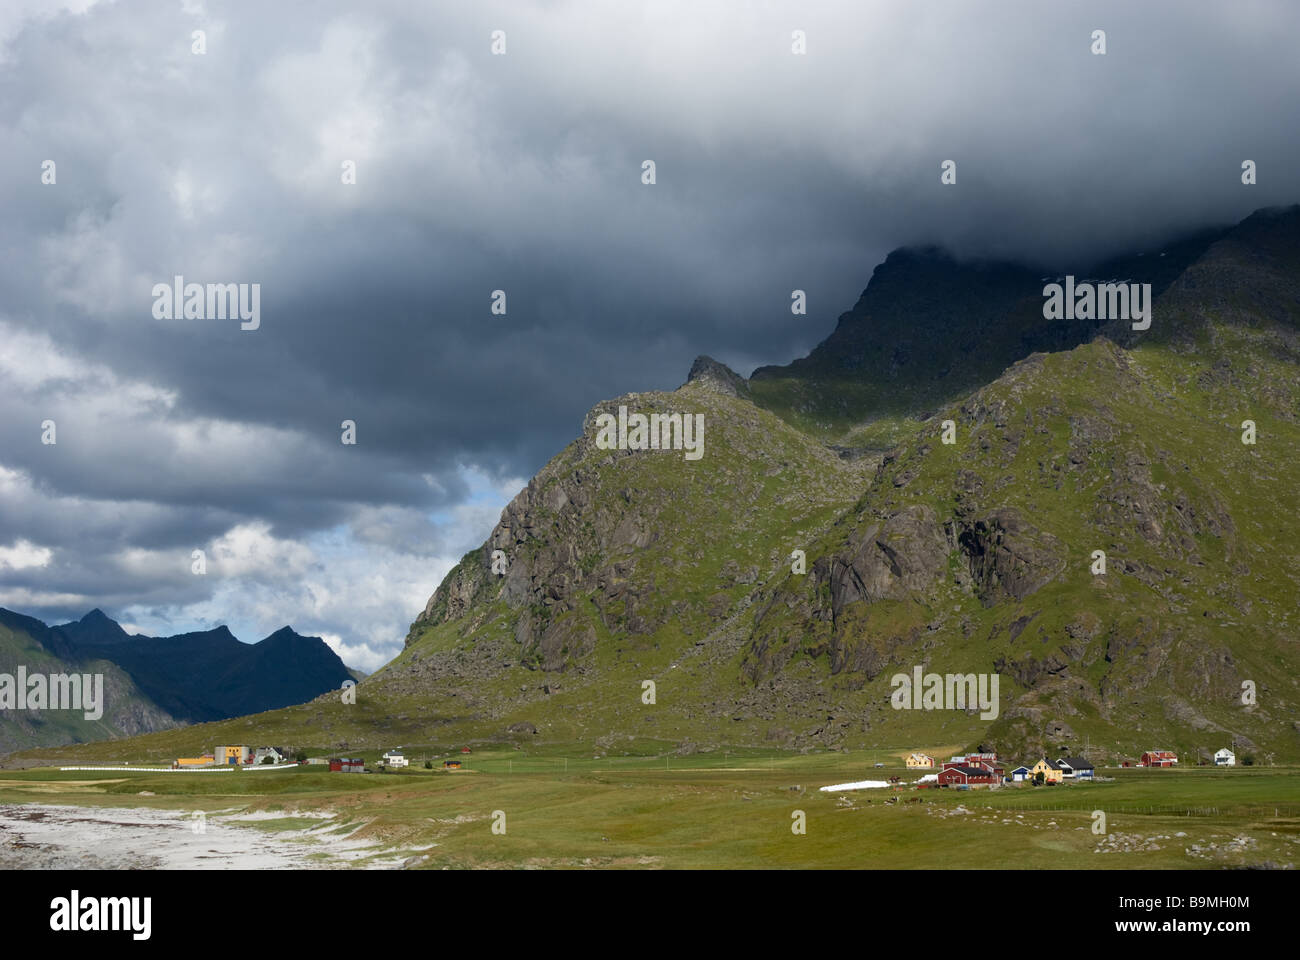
(156, 769)
(1278, 810)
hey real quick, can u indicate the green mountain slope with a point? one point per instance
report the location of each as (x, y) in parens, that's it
(974, 557)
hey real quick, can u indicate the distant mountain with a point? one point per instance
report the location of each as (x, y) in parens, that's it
(153, 683)
(210, 674)
(127, 711)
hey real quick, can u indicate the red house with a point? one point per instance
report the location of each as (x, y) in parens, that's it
(967, 776)
(977, 761)
(1158, 758)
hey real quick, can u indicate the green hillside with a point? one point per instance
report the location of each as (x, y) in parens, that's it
(972, 558)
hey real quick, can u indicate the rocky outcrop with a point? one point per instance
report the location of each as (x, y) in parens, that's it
(1008, 557)
(897, 558)
(717, 376)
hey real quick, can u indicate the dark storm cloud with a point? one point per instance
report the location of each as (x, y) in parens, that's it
(522, 172)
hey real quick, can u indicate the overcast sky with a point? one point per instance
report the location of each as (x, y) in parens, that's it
(519, 172)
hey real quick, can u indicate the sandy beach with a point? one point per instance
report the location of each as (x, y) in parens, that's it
(48, 836)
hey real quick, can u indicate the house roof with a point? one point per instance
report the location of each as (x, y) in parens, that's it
(1051, 764)
(1075, 763)
(1018, 769)
(971, 771)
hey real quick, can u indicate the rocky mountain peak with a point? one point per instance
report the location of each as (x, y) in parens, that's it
(717, 376)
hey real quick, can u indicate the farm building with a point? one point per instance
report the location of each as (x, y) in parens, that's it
(451, 764)
(277, 754)
(231, 756)
(956, 776)
(395, 758)
(347, 765)
(1158, 758)
(918, 760)
(207, 760)
(1075, 768)
(1020, 774)
(976, 761)
(1225, 758)
(1051, 771)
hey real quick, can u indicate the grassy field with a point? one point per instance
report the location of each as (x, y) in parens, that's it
(730, 809)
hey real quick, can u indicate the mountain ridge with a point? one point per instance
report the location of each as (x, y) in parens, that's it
(186, 678)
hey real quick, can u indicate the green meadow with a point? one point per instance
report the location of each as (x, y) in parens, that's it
(727, 809)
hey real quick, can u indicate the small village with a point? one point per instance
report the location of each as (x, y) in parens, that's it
(241, 756)
(976, 770)
(963, 772)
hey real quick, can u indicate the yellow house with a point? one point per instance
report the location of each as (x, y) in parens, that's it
(915, 760)
(204, 761)
(233, 755)
(1048, 768)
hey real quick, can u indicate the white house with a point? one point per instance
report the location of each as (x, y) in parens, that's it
(1225, 758)
(1075, 768)
(394, 758)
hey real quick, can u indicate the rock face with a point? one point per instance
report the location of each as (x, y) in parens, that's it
(899, 558)
(1008, 558)
(1096, 533)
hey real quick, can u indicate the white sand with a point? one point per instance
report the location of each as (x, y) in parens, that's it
(45, 836)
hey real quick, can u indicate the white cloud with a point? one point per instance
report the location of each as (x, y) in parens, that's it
(24, 554)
